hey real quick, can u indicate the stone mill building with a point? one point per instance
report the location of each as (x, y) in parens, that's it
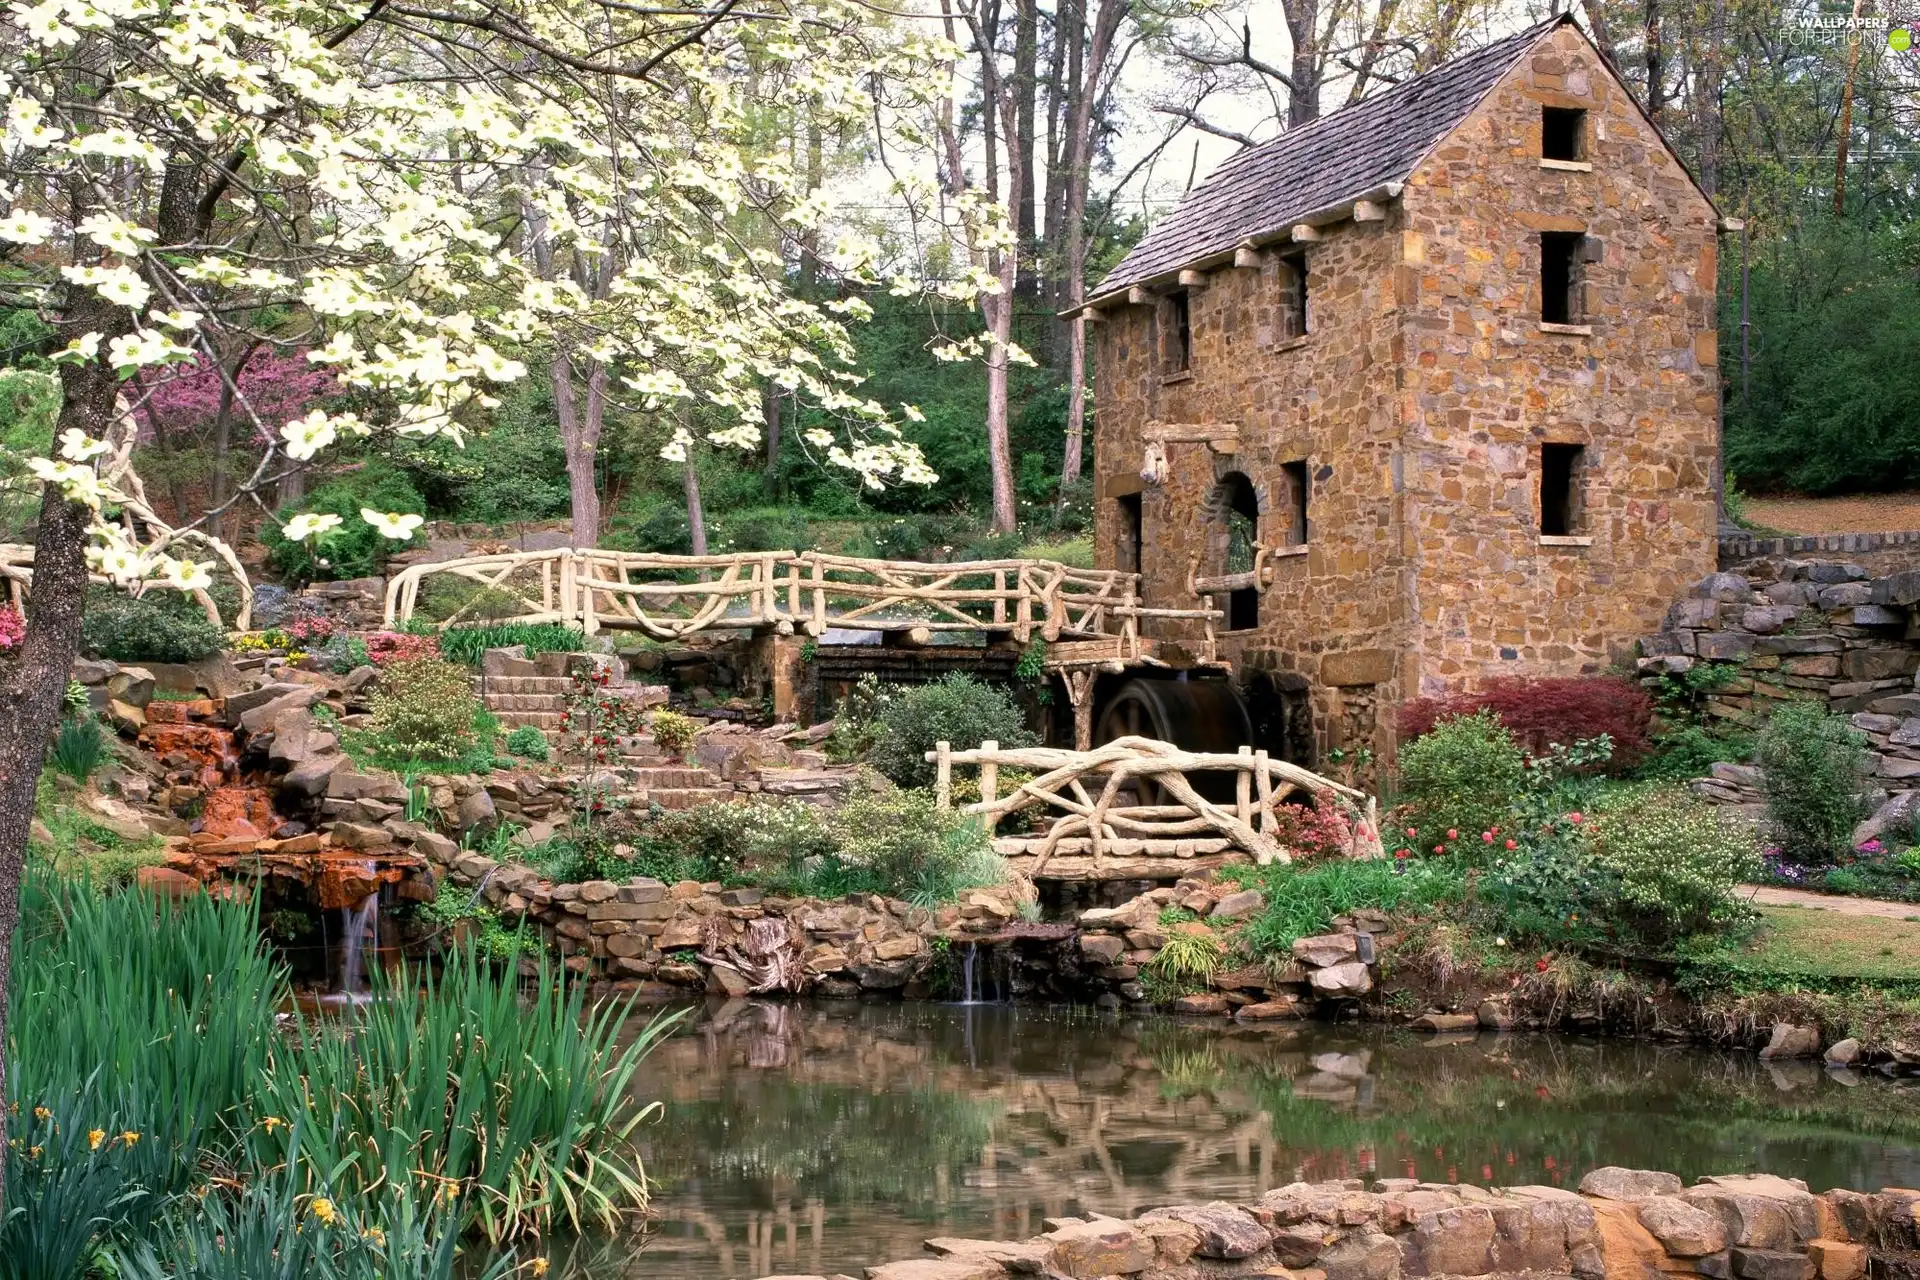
(1419, 394)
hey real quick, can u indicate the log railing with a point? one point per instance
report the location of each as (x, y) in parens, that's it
(1136, 798)
(669, 597)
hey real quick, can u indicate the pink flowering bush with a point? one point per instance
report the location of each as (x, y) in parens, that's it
(387, 647)
(13, 627)
(1318, 830)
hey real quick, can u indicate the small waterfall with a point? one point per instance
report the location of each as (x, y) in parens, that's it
(357, 925)
(966, 968)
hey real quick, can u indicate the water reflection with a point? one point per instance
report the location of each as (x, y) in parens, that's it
(823, 1138)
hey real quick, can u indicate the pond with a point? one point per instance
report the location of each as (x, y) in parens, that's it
(828, 1137)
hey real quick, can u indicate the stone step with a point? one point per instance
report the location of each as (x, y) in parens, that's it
(674, 777)
(549, 721)
(498, 702)
(526, 684)
(687, 797)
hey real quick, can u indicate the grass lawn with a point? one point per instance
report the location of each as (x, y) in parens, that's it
(1828, 944)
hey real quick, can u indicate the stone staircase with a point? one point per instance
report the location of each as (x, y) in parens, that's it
(522, 700)
(653, 777)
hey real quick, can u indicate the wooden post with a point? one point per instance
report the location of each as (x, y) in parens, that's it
(989, 781)
(1243, 790)
(819, 627)
(943, 774)
(1263, 776)
(999, 597)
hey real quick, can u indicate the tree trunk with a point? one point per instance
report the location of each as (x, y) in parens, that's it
(1081, 124)
(33, 678)
(696, 514)
(772, 406)
(1844, 133)
(1303, 103)
(1076, 400)
(1707, 99)
(1656, 62)
(1026, 88)
(999, 318)
(580, 433)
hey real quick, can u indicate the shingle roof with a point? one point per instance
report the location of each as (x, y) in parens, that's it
(1339, 157)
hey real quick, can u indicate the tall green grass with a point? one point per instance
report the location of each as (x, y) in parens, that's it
(1302, 902)
(468, 644)
(154, 1095)
(456, 1085)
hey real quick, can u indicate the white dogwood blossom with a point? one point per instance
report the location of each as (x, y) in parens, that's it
(430, 205)
(310, 524)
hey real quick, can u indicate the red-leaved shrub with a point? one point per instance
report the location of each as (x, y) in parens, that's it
(387, 647)
(1552, 709)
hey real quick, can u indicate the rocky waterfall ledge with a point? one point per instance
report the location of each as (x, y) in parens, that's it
(1622, 1224)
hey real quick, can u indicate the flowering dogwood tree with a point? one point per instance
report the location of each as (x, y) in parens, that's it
(427, 196)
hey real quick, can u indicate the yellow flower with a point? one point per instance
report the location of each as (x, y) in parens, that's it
(376, 1235)
(42, 1114)
(130, 1137)
(94, 1138)
(540, 1266)
(450, 1193)
(271, 1123)
(33, 1153)
(322, 1208)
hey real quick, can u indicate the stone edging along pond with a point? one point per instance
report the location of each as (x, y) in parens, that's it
(1622, 1224)
(678, 940)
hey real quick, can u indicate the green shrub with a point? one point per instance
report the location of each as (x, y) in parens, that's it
(902, 845)
(356, 549)
(1672, 863)
(528, 743)
(1465, 775)
(443, 595)
(728, 842)
(79, 747)
(1811, 763)
(470, 644)
(1188, 957)
(1303, 901)
(1075, 553)
(343, 653)
(956, 709)
(161, 626)
(673, 731)
(425, 709)
(761, 529)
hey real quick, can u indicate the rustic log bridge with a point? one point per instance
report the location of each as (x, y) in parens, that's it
(1191, 826)
(671, 597)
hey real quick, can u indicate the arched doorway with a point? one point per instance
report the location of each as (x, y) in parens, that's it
(1234, 518)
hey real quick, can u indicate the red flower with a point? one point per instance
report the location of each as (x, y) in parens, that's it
(1576, 817)
(1452, 834)
(1511, 845)
(1403, 853)
(1487, 836)
(1411, 832)
(1540, 965)
(1439, 848)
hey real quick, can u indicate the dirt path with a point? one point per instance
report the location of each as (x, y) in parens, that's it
(1861, 513)
(1767, 896)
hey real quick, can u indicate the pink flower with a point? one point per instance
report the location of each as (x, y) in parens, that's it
(1487, 836)
(1511, 845)
(1411, 833)
(1452, 834)
(1576, 817)
(13, 627)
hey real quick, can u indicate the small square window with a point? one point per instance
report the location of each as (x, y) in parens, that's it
(1176, 340)
(1561, 468)
(1561, 253)
(1563, 133)
(1293, 296)
(1132, 534)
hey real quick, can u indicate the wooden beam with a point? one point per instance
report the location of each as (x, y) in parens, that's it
(1138, 297)
(1246, 256)
(1369, 211)
(1093, 315)
(1212, 433)
(1304, 234)
(1191, 279)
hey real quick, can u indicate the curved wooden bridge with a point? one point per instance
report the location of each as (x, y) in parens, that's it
(669, 597)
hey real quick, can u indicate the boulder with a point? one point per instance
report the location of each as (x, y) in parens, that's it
(1327, 949)
(1102, 948)
(1368, 1254)
(1615, 1183)
(1771, 1264)
(131, 685)
(1759, 1212)
(1837, 1260)
(939, 1269)
(509, 660)
(262, 717)
(476, 810)
(1792, 1041)
(239, 704)
(1103, 1247)
(1204, 1005)
(1024, 1258)
(311, 776)
(1226, 1231)
(165, 882)
(125, 717)
(1268, 1010)
(1349, 979)
(93, 671)
(1843, 1053)
(1235, 905)
(1681, 1229)
(1728, 588)
(1446, 1022)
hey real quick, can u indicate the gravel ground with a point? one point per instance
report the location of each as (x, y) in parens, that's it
(1864, 513)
